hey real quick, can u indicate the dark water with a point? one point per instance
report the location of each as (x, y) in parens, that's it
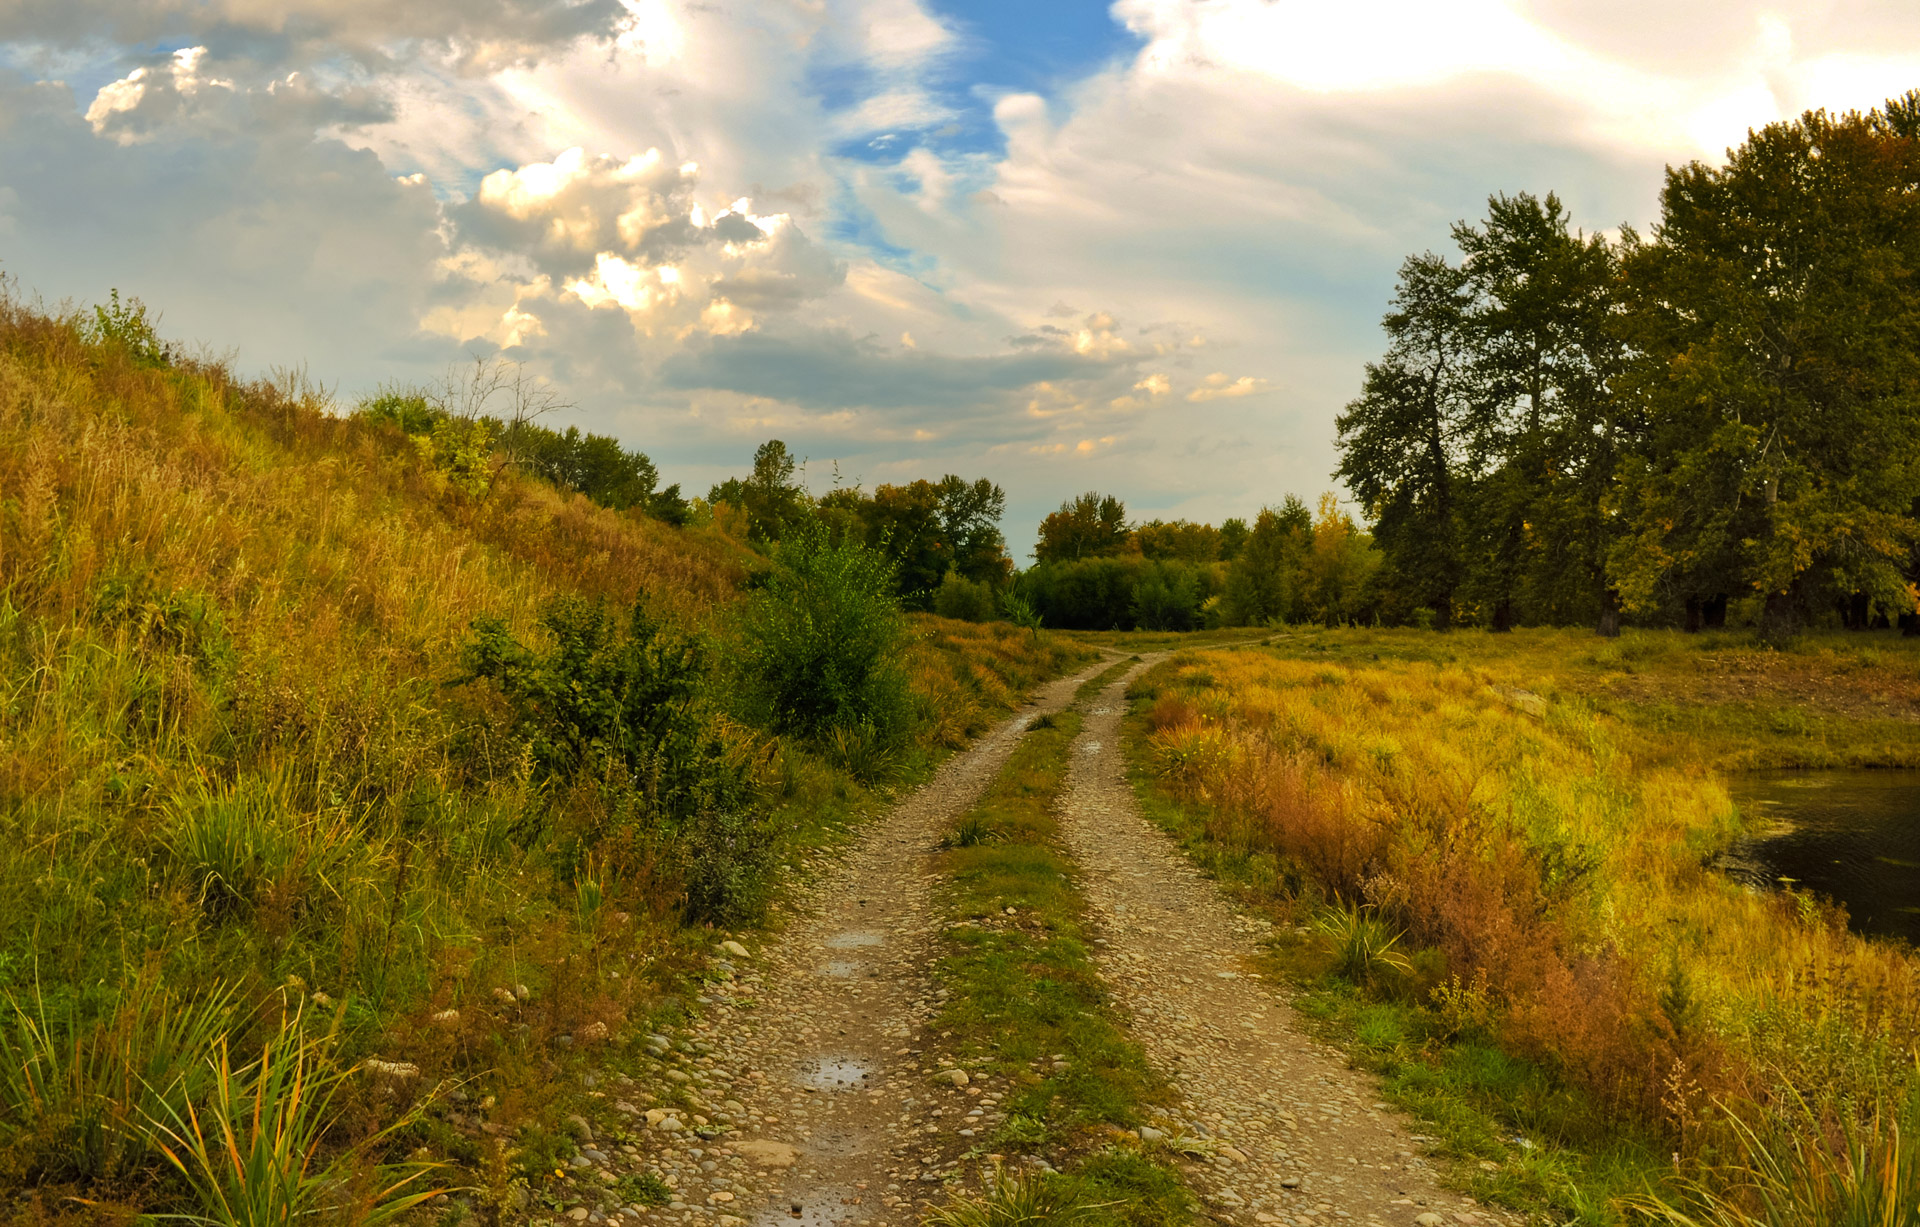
(1852, 836)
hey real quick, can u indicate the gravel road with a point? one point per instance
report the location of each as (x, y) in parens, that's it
(1294, 1135)
(811, 1092)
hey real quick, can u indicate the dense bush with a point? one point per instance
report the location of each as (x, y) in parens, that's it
(624, 711)
(822, 638)
(1126, 592)
(963, 599)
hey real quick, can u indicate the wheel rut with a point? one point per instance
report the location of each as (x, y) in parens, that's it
(810, 1069)
(1288, 1133)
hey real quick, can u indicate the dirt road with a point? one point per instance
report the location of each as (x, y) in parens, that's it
(1294, 1134)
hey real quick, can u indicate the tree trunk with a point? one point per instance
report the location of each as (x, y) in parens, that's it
(1693, 614)
(1713, 612)
(1780, 617)
(1609, 625)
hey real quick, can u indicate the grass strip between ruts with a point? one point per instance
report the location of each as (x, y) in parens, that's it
(1026, 1003)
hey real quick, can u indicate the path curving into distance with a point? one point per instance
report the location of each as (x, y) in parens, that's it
(825, 1076)
(1297, 1136)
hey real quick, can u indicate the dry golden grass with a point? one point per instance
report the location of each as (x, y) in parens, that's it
(1548, 851)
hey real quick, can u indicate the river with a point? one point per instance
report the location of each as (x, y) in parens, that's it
(1852, 836)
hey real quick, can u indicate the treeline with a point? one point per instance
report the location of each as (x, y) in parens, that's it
(596, 466)
(1713, 420)
(1095, 571)
(941, 539)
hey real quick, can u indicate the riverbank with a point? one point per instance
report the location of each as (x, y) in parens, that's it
(1487, 866)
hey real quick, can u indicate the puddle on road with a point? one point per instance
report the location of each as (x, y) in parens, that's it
(835, 1073)
(840, 969)
(853, 940)
(817, 1208)
(838, 1143)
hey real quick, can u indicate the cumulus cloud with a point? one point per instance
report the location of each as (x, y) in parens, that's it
(1218, 386)
(630, 235)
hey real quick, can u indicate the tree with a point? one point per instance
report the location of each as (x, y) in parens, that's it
(1233, 535)
(1090, 526)
(1541, 427)
(1779, 333)
(1337, 566)
(970, 521)
(1182, 540)
(770, 496)
(1403, 442)
(1264, 579)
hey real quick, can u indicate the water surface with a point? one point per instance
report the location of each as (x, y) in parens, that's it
(1852, 836)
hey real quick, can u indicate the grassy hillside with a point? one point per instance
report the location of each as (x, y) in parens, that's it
(253, 792)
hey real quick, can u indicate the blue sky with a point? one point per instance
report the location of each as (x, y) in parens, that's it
(1139, 247)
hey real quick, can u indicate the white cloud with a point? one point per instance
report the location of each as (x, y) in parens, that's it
(1218, 386)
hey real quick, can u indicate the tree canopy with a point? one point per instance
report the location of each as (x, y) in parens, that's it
(1565, 426)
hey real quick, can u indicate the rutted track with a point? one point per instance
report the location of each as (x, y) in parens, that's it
(1296, 1136)
(837, 1119)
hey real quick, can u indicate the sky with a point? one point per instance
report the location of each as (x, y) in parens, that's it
(1137, 247)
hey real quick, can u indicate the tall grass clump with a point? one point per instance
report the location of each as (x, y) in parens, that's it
(252, 1152)
(1796, 1166)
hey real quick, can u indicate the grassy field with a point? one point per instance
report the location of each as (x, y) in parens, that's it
(253, 798)
(1490, 852)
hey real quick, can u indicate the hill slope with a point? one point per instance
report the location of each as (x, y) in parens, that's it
(250, 787)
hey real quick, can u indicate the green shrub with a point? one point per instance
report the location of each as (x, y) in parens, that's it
(822, 637)
(963, 599)
(411, 412)
(625, 711)
(125, 326)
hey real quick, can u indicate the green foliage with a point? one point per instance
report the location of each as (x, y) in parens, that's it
(462, 450)
(821, 641)
(1564, 428)
(595, 466)
(1089, 526)
(1020, 611)
(126, 327)
(409, 412)
(644, 1188)
(1119, 593)
(773, 500)
(931, 530)
(626, 709)
(964, 599)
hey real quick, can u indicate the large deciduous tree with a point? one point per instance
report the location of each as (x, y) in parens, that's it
(1778, 319)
